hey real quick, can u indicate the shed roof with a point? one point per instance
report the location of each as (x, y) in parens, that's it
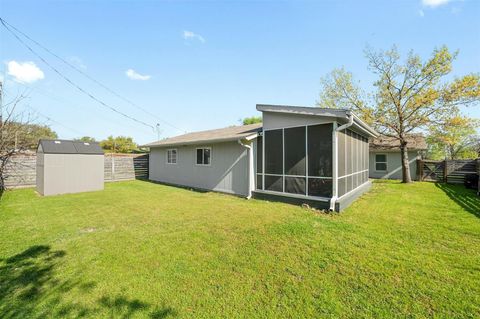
(226, 134)
(415, 142)
(68, 147)
(338, 114)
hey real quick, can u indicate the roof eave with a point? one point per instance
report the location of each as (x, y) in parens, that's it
(198, 142)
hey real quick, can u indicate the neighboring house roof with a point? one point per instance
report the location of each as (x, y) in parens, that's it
(68, 147)
(338, 114)
(226, 134)
(415, 142)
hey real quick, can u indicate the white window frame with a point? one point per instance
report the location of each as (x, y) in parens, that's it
(176, 156)
(203, 155)
(386, 162)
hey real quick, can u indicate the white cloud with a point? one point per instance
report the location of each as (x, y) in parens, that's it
(133, 75)
(434, 3)
(189, 35)
(24, 72)
(76, 61)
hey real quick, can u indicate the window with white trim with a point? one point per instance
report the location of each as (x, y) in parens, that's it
(172, 156)
(381, 162)
(204, 155)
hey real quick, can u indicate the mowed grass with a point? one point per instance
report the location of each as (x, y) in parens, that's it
(145, 250)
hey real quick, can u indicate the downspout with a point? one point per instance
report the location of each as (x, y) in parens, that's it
(335, 144)
(250, 167)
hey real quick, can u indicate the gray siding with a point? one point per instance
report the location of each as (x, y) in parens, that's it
(279, 120)
(394, 165)
(69, 173)
(228, 171)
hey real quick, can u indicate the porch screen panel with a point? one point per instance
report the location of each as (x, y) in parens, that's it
(319, 187)
(274, 183)
(259, 154)
(295, 151)
(342, 186)
(341, 154)
(274, 152)
(320, 151)
(295, 185)
(259, 176)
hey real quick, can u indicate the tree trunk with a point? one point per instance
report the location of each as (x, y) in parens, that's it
(406, 178)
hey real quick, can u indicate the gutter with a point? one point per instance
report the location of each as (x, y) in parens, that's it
(251, 175)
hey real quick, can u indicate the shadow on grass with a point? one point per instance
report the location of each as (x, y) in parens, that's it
(465, 198)
(29, 288)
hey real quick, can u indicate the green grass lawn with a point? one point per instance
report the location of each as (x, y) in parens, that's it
(140, 249)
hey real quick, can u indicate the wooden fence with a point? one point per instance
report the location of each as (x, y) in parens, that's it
(21, 170)
(447, 171)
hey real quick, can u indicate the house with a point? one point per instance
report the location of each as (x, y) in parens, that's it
(299, 154)
(386, 159)
(65, 166)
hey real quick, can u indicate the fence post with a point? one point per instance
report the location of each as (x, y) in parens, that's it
(445, 171)
(420, 169)
(478, 172)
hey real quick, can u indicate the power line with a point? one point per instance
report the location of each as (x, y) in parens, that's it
(67, 102)
(91, 78)
(71, 82)
(54, 121)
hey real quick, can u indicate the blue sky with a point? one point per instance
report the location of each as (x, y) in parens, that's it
(201, 65)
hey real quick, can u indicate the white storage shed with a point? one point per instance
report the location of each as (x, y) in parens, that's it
(69, 167)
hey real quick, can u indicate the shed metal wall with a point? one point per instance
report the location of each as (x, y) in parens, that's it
(69, 173)
(394, 165)
(40, 173)
(227, 172)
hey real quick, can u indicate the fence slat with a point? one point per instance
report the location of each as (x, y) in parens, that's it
(449, 171)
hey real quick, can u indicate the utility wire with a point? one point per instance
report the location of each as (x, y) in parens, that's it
(91, 78)
(71, 82)
(69, 103)
(54, 121)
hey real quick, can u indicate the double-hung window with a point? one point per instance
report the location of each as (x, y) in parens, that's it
(381, 162)
(204, 155)
(172, 156)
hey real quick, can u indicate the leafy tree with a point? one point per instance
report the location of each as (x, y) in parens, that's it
(252, 120)
(86, 139)
(408, 95)
(455, 138)
(119, 144)
(27, 135)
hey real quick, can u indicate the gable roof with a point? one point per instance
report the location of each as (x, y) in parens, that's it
(226, 134)
(68, 147)
(415, 142)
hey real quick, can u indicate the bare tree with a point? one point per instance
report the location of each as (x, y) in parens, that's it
(9, 132)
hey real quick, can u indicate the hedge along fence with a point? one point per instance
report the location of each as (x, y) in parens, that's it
(21, 170)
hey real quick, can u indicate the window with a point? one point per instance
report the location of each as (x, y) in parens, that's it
(172, 156)
(380, 162)
(204, 155)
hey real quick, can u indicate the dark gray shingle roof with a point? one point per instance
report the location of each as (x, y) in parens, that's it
(69, 147)
(231, 133)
